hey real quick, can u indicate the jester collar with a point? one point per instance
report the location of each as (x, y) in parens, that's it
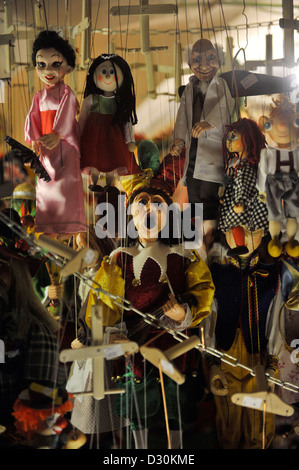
(155, 251)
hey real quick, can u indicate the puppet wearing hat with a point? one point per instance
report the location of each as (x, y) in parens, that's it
(152, 273)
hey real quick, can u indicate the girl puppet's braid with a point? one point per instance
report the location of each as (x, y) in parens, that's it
(125, 94)
(252, 138)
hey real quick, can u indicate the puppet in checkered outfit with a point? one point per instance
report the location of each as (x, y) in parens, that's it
(242, 207)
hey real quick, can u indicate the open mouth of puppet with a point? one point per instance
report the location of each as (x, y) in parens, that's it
(150, 221)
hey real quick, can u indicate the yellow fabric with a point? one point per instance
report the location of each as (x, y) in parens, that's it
(109, 277)
(198, 282)
(133, 182)
(236, 424)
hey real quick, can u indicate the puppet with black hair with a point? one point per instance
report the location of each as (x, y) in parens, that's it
(106, 118)
(53, 131)
(157, 275)
(242, 206)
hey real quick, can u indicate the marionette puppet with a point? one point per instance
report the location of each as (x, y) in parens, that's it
(245, 327)
(206, 107)
(53, 131)
(242, 206)
(278, 174)
(157, 275)
(107, 118)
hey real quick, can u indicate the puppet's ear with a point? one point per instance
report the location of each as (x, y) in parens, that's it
(264, 123)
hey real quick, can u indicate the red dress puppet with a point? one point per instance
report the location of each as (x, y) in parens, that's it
(106, 118)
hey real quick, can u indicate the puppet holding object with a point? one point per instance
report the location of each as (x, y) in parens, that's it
(242, 206)
(278, 174)
(107, 117)
(152, 274)
(206, 107)
(52, 129)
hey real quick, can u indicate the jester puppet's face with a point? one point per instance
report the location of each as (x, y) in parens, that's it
(107, 77)
(204, 61)
(51, 66)
(149, 213)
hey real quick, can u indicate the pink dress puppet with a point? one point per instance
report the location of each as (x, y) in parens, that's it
(51, 127)
(107, 117)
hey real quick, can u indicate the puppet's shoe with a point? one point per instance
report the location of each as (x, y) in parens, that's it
(274, 248)
(292, 248)
(238, 250)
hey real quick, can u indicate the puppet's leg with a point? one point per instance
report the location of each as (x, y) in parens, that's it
(292, 246)
(274, 246)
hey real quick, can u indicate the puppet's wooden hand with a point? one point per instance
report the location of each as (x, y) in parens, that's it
(131, 146)
(218, 382)
(50, 140)
(239, 208)
(36, 148)
(199, 128)
(174, 310)
(176, 147)
(76, 344)
(118, 338)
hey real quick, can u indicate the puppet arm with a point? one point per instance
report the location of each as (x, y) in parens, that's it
(199, 128)
(129, 136)
(199, 286)
(109, 277)
(262, 172)
(84, 112)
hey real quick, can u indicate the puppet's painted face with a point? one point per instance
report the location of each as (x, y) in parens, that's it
(282, 130)
(234, 142)
(204, 61)
(149, 213)
(252, 239)
(104, 76)
(51, 66)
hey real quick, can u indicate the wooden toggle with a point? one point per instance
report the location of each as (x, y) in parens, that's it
(263, 399)
(98, 352)
(156, 357)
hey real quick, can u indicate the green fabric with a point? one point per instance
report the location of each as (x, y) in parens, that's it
(103, 105)
(139, 402)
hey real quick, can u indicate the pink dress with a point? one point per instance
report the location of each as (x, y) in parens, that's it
(60, 202)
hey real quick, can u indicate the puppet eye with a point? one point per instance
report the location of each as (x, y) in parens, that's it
(267, 125)
(143, 202)
(211, 57)
(41, 65)
(111, 71)
(104, 71)
(296, 122)
(56, 64)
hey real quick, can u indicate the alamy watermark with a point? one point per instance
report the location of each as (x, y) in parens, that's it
(184, 223)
